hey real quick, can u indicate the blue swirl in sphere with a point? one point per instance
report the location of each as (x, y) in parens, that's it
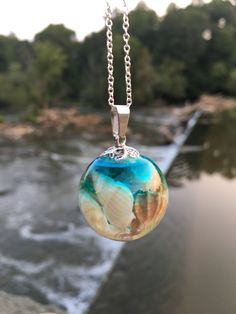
(125, 199)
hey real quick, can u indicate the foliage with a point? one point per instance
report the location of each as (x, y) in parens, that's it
(171, 82)
(180, 35)
(46, 73)
(58, 35)
(177, 57)
(231, 84)
(14, 87)
(144, 78)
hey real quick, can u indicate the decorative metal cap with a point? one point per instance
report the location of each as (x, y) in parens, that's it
(122, 152)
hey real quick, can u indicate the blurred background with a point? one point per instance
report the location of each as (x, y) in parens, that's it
(54, 120)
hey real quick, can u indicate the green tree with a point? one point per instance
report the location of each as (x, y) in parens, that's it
(142, 70)
(144, 24)
(218, 76)
(14, 89)
(218, 9)
(231, 83)
(180, 35)
(171, 82)
(91, 66)
(144, 78)
(58, 35)
(14, 50)
(65, 39)
(179, 56)
(220, 57)
(171, 7)
(46, 74)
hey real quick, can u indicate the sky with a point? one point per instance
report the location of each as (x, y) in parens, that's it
(25, 18)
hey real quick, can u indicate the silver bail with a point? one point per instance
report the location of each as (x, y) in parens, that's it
(119, 120)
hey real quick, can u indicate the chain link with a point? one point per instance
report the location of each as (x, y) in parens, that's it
(127, 59)
(110, 56)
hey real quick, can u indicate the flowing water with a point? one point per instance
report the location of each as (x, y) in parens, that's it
(188, 264)
(47, 251)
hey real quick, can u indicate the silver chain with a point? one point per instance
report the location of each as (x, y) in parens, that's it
(110, 57)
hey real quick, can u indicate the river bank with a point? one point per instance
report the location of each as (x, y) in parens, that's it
(61, 121)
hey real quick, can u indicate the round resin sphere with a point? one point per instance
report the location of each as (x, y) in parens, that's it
(125, 199)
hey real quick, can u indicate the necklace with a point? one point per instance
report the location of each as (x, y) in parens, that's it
(122, 195)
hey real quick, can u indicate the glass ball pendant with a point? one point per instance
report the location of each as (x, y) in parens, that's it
(122, 194)
(123, 199)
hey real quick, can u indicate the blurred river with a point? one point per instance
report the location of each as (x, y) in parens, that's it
(188, 264)
(47, 251)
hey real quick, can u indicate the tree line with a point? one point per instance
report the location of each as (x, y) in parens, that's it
(177, 57)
